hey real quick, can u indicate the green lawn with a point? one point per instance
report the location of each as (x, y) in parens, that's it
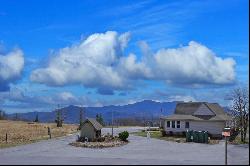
(157, 135)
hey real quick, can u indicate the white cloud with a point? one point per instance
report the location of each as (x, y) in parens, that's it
(181, 98)
(99, 62)
(89, 63)
(11, 66)
(17, 96)
(130, 68)
(193, 64)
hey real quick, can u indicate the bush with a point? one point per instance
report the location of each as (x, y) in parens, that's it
(81, 139)
(170, 133)
(163, 133)
(123, 135)
(101, 139)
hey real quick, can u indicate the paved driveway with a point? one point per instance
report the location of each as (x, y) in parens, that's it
(140, 150)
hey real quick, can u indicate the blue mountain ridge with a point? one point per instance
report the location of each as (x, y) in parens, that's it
(143, 109)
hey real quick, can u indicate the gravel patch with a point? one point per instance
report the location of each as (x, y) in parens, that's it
(114, 143)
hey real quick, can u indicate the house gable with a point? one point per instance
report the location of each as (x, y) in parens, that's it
(203, 110)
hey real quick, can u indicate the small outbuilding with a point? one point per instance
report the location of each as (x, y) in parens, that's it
(91, 129)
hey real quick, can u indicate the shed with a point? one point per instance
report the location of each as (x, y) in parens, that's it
(91, 129)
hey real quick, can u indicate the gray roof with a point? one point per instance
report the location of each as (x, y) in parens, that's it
(187, 108)
(94, 123)
(181, 117)
(185, 111)
(216, 108)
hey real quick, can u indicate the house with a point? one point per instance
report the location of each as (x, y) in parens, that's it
(91, 129)
(197, 116)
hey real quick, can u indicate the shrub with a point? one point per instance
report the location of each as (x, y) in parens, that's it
(123, 135)
(100, 139)
(81, 139)
(163, 133)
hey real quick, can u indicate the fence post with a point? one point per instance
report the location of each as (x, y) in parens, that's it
(6, 138)
(49, 133)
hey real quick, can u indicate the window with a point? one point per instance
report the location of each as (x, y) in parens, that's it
(173, 124)
(187, 125)
(178, 124)
(168, 123)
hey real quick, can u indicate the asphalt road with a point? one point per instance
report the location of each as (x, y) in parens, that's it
(140, 150)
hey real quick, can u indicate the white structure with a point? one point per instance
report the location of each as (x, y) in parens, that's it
(197, 116)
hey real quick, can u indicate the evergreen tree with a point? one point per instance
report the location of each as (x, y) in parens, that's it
(59, 120)
(2, 115)
(99, 118)
(37, 119)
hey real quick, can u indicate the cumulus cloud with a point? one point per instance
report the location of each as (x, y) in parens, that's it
(23, 100)
(11, 66)
(194, 64)
(99, 62)
(89, 63)
(181, 98)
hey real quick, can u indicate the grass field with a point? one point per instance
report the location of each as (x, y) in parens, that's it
(158, 135)
(20, 132)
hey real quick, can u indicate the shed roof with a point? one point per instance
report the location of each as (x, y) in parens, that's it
(94, 123)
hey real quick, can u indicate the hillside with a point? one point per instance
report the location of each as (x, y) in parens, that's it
(143, 109)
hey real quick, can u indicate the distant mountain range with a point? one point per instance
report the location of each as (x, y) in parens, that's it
(143, 109)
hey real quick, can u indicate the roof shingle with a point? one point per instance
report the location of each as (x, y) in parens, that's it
(95, 123)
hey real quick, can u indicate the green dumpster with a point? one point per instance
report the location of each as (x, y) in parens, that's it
(203, 137)
(191, 134)
(195, 136)
(206, 137)
(199, 137)
(187, 136)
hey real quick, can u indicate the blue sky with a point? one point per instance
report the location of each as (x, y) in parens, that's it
(95, 53)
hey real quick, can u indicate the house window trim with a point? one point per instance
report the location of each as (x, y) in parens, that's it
(173, 124)
(168, 124)
(187, 126)
(178, 125)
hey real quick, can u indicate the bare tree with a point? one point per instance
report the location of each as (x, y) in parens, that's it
(240, 110)
(59, 119)
(2, 115)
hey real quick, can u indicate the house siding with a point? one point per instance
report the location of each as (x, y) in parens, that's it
(214, 128)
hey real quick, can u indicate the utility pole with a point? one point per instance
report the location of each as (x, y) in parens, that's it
(226, 133)
(226, 150)
(112, 125)
(160, 117)
(80, 121)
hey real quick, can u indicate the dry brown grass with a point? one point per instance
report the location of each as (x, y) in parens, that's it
(20, 132)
